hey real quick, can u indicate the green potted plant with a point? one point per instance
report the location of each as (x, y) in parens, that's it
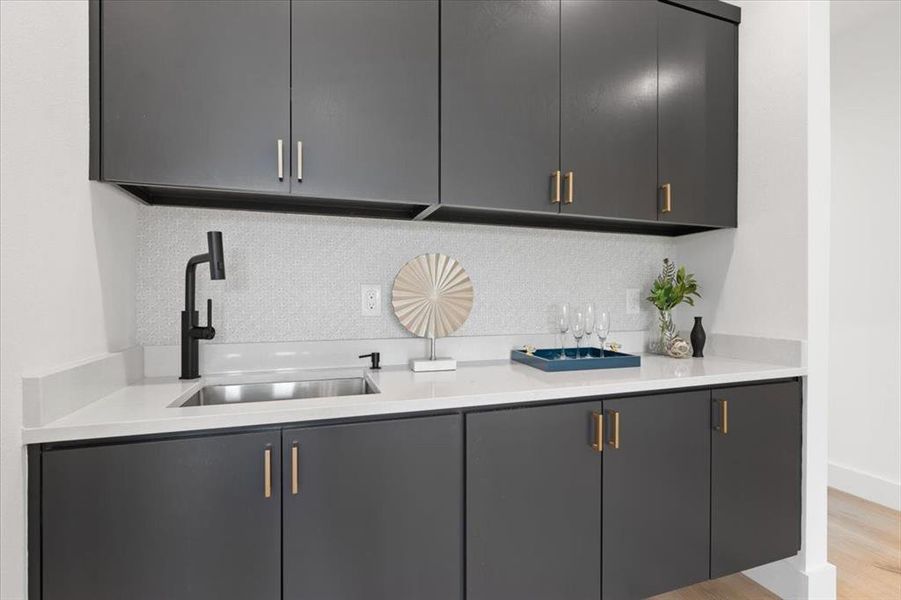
(671, 288)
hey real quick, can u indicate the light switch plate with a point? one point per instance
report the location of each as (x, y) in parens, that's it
(370, 300)
(632, 301)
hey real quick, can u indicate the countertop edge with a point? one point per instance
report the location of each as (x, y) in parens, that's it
(206, 422)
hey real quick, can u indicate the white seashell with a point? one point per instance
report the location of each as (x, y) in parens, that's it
(679, 348)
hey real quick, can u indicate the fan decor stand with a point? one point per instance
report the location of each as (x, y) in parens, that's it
(432, 297)
(433, 363)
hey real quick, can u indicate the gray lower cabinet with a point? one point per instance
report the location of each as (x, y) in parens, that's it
(533, 504)
(195, 94)
(756, 476)
(698, 117)
(609, 108)
(656, 507)
(364, 100)
(185, 519)
(500, 103)
(374, 510)
(620, 498)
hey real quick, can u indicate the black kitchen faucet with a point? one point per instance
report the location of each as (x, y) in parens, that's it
(191, 332)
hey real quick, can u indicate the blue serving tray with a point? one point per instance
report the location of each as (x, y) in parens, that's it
(549, 359)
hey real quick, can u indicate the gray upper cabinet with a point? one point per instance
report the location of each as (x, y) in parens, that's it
(589, 114)
(195, 94)
(533, 504)
(756, 476)
(656, 494)
(183, 519)
(500, 103)
(373, 511)
(364, 100)
(609, 108)
(698, 118)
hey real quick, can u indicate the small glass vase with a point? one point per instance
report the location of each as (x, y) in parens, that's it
(664, 338)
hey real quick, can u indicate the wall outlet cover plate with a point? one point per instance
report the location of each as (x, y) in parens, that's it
(370, 300)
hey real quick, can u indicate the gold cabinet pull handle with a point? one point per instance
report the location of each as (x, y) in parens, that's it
(555, 198)
(598, 443)
(295, 466)
(615, 440)
(667, 198)
(723, 426)
(280, 145)
(267, 473)
(570, 180)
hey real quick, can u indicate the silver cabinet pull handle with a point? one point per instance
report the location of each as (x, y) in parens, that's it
(299, 160)
(281, 161)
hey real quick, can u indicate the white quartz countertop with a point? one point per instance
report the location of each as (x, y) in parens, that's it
(146, 407)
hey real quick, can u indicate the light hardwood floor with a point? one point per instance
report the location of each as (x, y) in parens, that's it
(864, 546)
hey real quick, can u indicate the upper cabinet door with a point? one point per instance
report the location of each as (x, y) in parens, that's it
(756, 476)
(533, 504)
(364, 77)
(698, 117)
(374, 511)
(182, 519)
(196, 94)
(500, 103)
(656, 494)
(609, 114)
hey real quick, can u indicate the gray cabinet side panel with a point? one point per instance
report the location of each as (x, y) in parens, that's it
(657, 495)
(177, 519)
(195, 94)
(533, 504)
(698, 116)
(378, 513)
(756, 478)
(365, 100)
(500, 103)
(609, 114)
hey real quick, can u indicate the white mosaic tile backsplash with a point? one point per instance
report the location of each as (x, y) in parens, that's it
(298, 277)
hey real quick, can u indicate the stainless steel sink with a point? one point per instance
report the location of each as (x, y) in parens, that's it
(280, 390)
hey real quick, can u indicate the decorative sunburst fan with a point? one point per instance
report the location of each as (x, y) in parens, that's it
(432, 295)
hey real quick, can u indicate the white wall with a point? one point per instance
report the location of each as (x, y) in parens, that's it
(865, 291)
(67, 246)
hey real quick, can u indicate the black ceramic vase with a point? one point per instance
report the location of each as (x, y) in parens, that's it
(698, 339)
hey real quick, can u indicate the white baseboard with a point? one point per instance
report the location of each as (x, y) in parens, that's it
(865, 485)
(786, 579)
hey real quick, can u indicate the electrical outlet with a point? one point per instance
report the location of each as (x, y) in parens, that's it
(370, 300)
(632, 301)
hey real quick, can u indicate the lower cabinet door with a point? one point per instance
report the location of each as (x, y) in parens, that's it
(181, 519)
(656, 523)
(374, 511)
(756, 476)
(533, 504)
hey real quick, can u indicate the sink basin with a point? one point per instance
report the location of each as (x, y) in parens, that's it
(280, 390)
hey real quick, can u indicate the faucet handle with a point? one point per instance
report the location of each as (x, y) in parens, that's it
(208, 332)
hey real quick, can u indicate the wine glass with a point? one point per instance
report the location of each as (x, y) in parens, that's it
(562, 320)
(603, 328)
(590, 320)
(577, 324)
